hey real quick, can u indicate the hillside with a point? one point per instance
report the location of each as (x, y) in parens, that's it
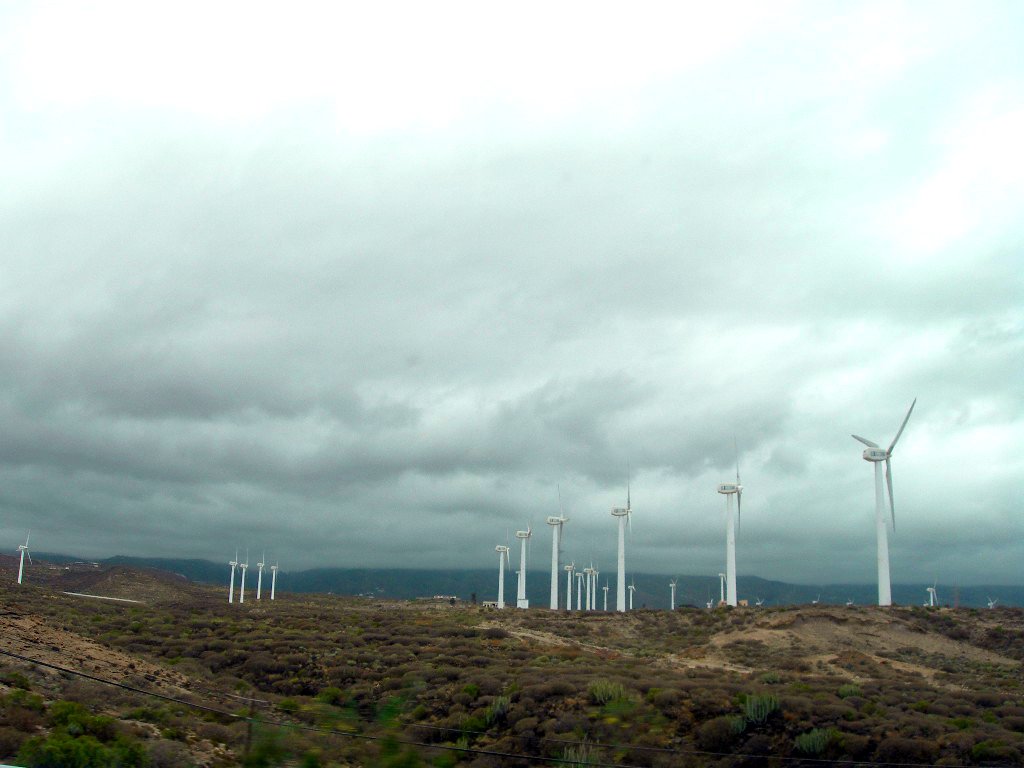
(653, 688)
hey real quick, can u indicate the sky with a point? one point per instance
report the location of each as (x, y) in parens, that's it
(378, 284)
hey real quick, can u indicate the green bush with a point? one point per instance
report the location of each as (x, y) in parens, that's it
(846, 691)
(814, 742)
(603, 691)
(757, 708)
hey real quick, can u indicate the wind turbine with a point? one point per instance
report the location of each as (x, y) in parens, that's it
(815, 600)
(992, 603)
(625, 517)
(877, 455)
(721, 578)
(556, 524)
(233, 564)
(589, 572)
(23, 549)
(632, 589)
(849, 602)
(605, 588)
(730, 490)
(933, 597)
(568, 585)
(273, 579)
(241, 588)
(523, 536)
(759, 602)
(503, 565)
(672, 586)
(259, 576)
(579, 590)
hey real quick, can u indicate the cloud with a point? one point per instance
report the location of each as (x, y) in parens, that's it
(249, 298)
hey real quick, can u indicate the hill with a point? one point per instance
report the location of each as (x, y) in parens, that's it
(359, 681)
(652, 589)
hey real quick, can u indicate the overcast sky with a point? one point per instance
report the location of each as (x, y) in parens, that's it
(365, 285)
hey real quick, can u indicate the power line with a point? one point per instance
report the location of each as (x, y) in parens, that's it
(467, 750)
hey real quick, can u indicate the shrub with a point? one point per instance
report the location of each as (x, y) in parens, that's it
(757, 708)
(717, 734)
(845, 691)
(814, 742)
(603, 691)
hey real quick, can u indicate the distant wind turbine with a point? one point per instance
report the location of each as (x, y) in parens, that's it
(523, 536)
(23, 549)
(605, 588)
(589, 572)
(241, 587)
(503, 565)
(625, 517)
(259, 576)
(556, 524)
(273, 580)
(568, 585)
(721, 578)
(877, 455)
(672, 587)
(632, 589)
(730, 490)
(933, 596)
(579, 589)
(992, 603)
(233, 564)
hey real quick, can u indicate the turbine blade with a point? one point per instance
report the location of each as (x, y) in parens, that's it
(628, 473)
(29, 557)
(888, 481)
(905, 420)
(868, 443)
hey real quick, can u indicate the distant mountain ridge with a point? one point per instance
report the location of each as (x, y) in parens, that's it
(652, 589)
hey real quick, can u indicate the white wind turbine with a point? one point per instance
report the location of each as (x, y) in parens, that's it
(589, 573)
(632, 589)
(992, 603)
(523, 536)
(23, 549)
(503, 565)
(730, 490)
(672, 586)
(259, 576)
(233, 564)
(721, 579)
(933, 596)
(579, 590)
(594, 577)
(625, 517)
(816, 600)
(241, 588)
(605, 588)
(556, 524)
(568, 585)
(877, 455)
(273, 580)
(759, 602)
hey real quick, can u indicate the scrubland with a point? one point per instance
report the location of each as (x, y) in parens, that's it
(328, 680)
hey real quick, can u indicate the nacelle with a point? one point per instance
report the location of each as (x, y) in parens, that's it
(620, 512)
(875, 454)
(555, 520)
(728, 488)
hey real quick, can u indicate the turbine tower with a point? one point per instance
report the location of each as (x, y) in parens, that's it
(933, 597)
(672, 586)
(233, 564)
(241, 587)
(730, 490)
(877, 455)
(556, 524)
(605, 588)
(579, 590)
(503, 566)
(590, 577)
(259, 576)
(624, 516)
(273, 579)
(523, 536)
(632, 589)
(721, 578)
(23, 549)
(568, 585)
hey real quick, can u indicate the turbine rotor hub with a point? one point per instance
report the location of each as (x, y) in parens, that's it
(875, 454)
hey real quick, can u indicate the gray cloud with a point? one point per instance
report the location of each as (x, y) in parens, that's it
(376, 346)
